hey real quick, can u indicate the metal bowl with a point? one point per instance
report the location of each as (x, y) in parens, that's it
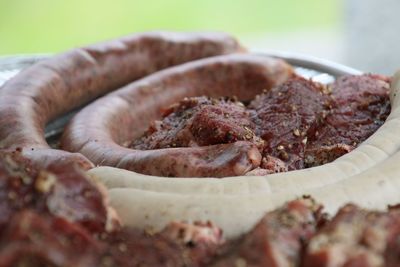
(319, 70)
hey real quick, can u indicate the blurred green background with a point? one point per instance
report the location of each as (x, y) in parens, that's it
(31, 26)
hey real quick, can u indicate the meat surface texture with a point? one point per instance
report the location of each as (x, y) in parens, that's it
(33, 239)
(295, 125)
(287, 116)
(179, 244)
(57, 217)
(356, 237)
(48, 216)
(62, 191)
(360, 105)
(278, 239)
(200, 121)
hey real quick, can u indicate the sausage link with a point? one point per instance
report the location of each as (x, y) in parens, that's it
(64, 82)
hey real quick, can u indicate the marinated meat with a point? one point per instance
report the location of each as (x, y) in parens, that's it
(57, 217)
(178, 245)
(360, 106)
(35, 240)
(31, 239)
(295, 125)
(134, 248)
(278, 239)
(356, 237)
(200, 121)
(287, 116)
(61, 190)
(201, 240)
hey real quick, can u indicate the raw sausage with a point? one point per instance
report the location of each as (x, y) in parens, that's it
(69, 80)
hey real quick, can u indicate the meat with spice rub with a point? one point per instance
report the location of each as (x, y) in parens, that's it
(295, 125)
(357, 237)
(58, 217)
(278, 239)
(360, 105)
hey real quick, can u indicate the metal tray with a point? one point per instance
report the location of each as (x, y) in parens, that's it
(310, 67)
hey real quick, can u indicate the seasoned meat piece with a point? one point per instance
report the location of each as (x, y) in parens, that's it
(278, 239)
(56, 217)
(295, 125)
(287, 116)
(134, 248)
(36, 240)
(77, 199)
(356, 237)
(32, 239)
(360, 106)
(201, 240)
(61, 190)
(200, 121)
(52, 218)
(319, 155)
(178, 245)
